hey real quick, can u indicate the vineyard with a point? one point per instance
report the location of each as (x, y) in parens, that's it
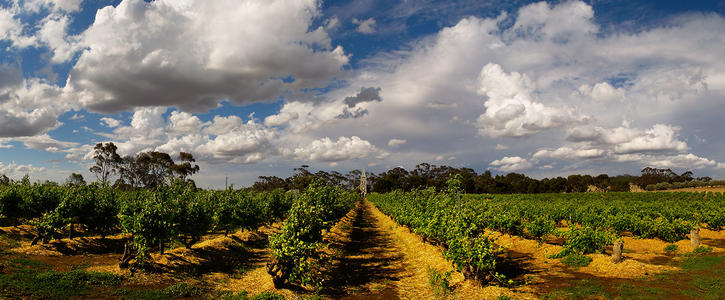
(593, 221)
(232, 244)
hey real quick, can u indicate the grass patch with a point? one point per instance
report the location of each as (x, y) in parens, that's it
(700, 250)
(52, 284)
(82, 266)
(25, 263)
(671, 248)
(576, 260)
(7, 243)
(440, 283)
(240, 271)
(700, 263)
(243, 295)
(710, 288)
(177, 290)
(581, 289)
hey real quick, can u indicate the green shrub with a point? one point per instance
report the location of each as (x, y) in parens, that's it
(585, 240)
(295, 247)
(576, 260)
(440, 283)
(540, 227)
(700, 250)
(671, 248)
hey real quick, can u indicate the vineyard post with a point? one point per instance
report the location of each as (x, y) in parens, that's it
(695, 237)
(617, 250)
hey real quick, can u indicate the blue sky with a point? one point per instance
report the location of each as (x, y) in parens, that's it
(259, 87)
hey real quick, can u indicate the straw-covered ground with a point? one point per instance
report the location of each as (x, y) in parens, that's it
(369, 257)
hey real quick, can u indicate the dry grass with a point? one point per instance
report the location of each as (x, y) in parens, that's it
(420, 256)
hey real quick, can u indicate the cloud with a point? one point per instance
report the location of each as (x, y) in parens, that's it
(28, 107)
(184, 54)
(327, 150)
(366, 94)
(603, 92)
(352, 114)
(511, 164)
(332, 23)
(221, 125)
(45, 143)
(280, 119)
(183, 122)
(685, 160)
(11, 29)
(569, 153)
(110, 122)
(248, 143)
(53, 5)
(559, 23)
(366, 26)
(16, 170)
(441, 105)
(544, 80)
(511, 109)
(396, 142)
(53, 33)
(624, 139)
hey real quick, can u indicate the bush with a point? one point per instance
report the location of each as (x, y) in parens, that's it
(295, 247)
(584, 241)
(540, 227)
(576, 260)
(671, 248)
(475, 256)
(701, 250)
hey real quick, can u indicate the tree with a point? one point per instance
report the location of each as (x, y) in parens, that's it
(130, 172)
(185, 168)
(155, 166)
(107, 161)
(75, 179)
(4, 180)
(268, 183)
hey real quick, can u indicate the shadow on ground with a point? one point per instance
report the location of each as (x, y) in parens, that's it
(233, 256)
(369, 264)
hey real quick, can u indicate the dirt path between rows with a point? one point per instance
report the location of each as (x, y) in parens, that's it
(383, 260)
(371, 266)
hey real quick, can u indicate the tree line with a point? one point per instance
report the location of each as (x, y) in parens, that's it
(146, 169)
(427, 175)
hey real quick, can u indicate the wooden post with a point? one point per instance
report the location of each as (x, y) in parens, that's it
(617, 251)
(695, 237)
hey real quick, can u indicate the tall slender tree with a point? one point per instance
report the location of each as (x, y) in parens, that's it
(107, 161)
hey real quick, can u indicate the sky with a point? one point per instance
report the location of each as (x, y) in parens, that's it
(254, 88)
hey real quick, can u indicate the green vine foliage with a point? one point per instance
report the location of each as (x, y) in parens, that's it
(438, 217)
(586, 240)
(296, 259)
